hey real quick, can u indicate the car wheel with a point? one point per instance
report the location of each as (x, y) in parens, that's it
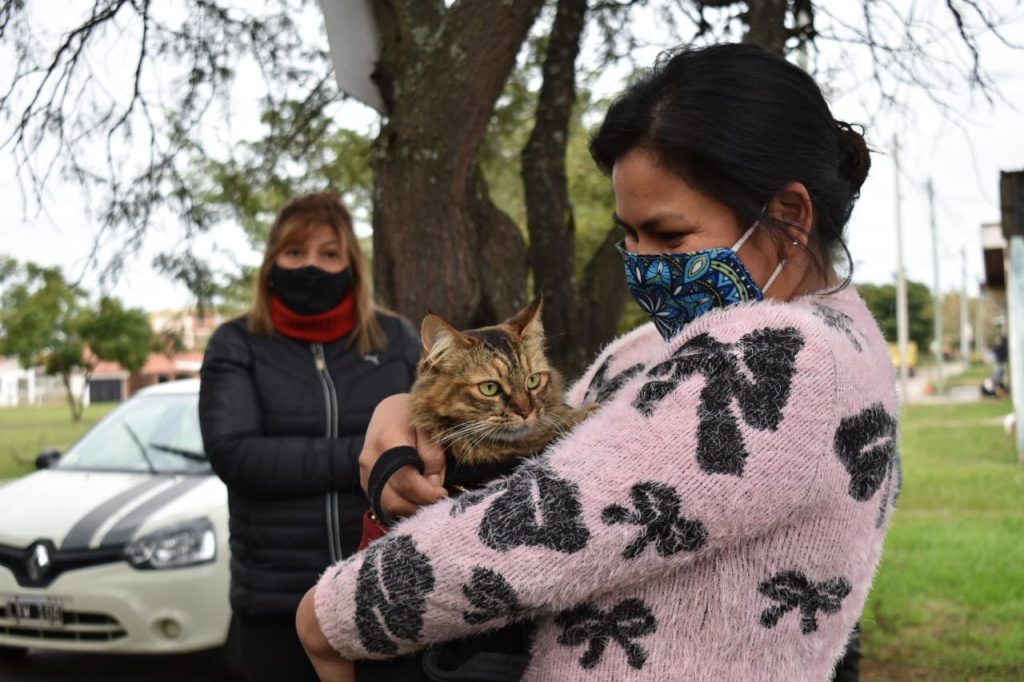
(12, 653)
(230, 654)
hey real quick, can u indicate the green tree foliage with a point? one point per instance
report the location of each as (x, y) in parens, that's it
(40, 315)
(116, 333)
(881, 300)
(47, 321)
(304, 151)
(297, 156)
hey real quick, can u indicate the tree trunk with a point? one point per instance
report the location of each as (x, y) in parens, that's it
(603, 297)
(766, 24)
(440, 244)
(574, 319)
(74, 402)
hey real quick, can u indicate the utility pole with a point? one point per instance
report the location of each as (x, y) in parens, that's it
(940, 383)
(979, 324)
(965, 324)
(901, 278)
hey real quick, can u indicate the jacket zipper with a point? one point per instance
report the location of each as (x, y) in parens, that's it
(331, 403)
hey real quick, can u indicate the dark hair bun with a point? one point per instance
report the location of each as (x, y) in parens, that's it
(854, 156)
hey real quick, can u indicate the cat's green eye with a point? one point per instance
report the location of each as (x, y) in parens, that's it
(489, 388)
(533, 381)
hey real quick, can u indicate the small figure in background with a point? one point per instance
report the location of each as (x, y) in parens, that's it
(996, 384)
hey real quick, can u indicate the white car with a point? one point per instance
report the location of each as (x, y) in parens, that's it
(121, 545)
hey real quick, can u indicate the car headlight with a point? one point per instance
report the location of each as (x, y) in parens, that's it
(186, 544)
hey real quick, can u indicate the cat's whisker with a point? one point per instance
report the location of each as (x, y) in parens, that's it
(462, 431)
(463, 427)
(466, 432)
(556, 420)
(480, 438)
(453, 436)
(561, 425)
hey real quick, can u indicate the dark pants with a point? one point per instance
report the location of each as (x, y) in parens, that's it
(848, 668)
(271, 651)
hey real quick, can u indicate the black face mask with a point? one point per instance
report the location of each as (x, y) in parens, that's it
(309, 290)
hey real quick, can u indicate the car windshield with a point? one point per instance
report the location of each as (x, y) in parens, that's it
(158, 433)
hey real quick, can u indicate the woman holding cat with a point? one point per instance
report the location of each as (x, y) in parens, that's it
(722, 514)
(287, 392)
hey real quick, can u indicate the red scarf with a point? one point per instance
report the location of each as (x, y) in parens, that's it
(322, 328)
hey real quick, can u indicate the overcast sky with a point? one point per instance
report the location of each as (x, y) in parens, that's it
(963, 161)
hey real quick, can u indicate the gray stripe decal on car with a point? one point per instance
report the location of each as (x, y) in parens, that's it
(124, 529)
(81, 533)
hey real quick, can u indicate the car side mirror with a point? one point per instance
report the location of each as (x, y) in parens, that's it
(47, 458)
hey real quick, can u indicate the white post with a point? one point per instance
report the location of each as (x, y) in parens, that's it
(901, 280)
(1014, 323)
(965, 323)
(979, 324)
(1011, 190)
(940, 384)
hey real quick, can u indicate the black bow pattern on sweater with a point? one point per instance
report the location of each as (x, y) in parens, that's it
(491, 594)
(839, 321)
(587, 624)
(794, 590)
(390, 593)
(657, 509)
(535, 508)
(866, 445)
(602, 387)
(769, 355)
(471, 498)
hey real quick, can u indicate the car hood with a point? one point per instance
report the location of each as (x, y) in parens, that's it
(83, 509)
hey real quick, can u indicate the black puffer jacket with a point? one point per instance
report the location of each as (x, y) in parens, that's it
(283, 423)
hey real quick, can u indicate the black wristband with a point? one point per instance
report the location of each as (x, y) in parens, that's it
(472, 476)
(389, 462)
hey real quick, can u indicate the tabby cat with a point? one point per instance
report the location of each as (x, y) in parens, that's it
(489, 395)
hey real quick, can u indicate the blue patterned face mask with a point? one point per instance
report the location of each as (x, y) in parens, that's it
(676, 288)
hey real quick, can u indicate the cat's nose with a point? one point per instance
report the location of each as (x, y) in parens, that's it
(522, 407)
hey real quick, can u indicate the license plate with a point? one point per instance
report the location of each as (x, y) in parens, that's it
(36, 611)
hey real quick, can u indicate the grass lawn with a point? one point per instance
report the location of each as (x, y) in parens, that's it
(948, 602)
(972, 376)
(27, 431)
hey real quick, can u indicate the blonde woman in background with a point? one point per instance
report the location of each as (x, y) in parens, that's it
(287, 392)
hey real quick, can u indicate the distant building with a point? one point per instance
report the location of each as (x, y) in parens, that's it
(17, 385)
(112, 383)
(994, 245)
(191, 328)
(109, 383)
(995, 257)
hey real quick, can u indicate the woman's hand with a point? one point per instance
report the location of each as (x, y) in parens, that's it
(328, 663)
(407, 490)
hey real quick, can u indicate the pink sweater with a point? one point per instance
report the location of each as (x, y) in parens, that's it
(720, 518)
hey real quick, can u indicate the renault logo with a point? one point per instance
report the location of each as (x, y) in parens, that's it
(38, 563)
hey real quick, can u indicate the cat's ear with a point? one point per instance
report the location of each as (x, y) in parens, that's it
(527, 321)
(438, 336)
